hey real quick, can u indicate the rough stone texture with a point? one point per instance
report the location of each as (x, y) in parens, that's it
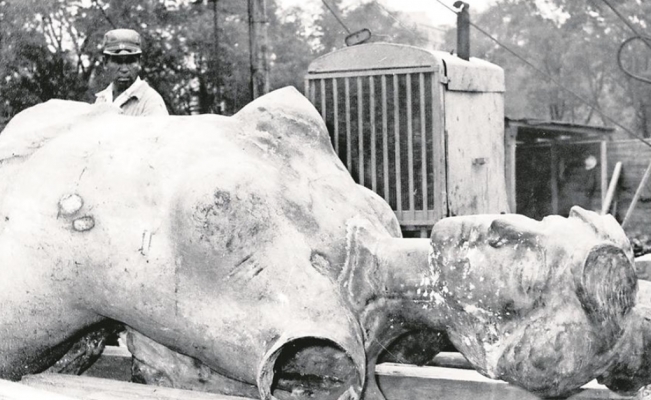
(220, 238)
(244, 259)
(233, 209)
(632, 370)
(538, 304)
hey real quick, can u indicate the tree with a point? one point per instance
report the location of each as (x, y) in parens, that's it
(52, 48)
(574, 44)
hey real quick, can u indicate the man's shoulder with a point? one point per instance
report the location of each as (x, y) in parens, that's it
(152, 102)
(104, 96)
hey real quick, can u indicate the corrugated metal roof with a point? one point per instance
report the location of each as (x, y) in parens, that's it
(538, 130)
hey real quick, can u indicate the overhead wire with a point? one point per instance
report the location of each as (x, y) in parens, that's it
(628, 23)
(382, 8)
(637, 36)
(336, 16)
(104, 14)
(554, 81)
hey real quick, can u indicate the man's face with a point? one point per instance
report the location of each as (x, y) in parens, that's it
(123, 70)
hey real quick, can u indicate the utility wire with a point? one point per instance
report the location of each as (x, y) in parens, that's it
(628, 23)
(104, 14)
(336, 16)
(553, 80)
(637, 36)
(447, 6)
(434, 28)
(381, 7)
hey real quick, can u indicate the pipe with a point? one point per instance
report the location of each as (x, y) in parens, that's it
(463, 30)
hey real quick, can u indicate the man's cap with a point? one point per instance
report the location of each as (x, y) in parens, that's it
(122, 42)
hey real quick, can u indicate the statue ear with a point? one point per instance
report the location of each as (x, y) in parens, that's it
(512, 229)
(606, 287)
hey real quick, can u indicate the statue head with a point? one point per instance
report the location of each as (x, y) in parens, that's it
(537, 303)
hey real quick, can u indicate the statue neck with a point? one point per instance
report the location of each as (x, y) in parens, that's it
(380, 266)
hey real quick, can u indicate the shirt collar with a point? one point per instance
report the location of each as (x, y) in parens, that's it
(135, 90)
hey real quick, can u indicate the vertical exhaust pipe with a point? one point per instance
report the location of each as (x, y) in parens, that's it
(463, 30)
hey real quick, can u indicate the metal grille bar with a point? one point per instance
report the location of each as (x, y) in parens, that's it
(371, 100)
(395, 145)
(423, 138)
(360, 130)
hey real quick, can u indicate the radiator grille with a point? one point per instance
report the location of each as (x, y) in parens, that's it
(382, 129)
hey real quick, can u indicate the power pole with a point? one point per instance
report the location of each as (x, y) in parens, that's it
(258, 47)
(218, 86)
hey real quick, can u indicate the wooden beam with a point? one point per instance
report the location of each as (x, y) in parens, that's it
(451, 360)
(85, 387)
(605, 207)
(18, 391)
(398, 381)
(636, 196)
(409, 382)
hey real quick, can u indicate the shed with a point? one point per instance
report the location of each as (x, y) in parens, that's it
(553, 165)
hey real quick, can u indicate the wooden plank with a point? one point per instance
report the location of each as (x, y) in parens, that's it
(19, 391)
(423, 139)
(114, 363)
(409, 382)
(116, 351)
(385, 139)
(636, 196)
(349, 150)
(605, 207)
(90, 388)
(371, 98)
(451, 360)
(396, 131)
(360, 131)
(450, 378)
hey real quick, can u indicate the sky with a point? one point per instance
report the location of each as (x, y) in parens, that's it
(424, 11)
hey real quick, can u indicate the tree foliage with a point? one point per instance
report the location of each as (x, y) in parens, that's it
(575, 44)
(52, 48)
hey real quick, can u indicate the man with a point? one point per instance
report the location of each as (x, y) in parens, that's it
(122, 51)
